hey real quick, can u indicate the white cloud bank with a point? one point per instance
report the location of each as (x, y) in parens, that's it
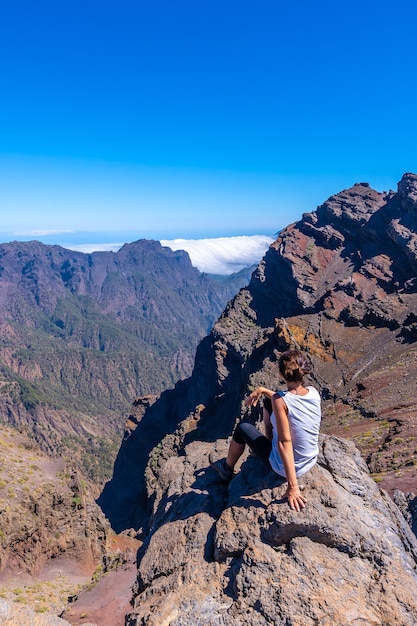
(223, 255)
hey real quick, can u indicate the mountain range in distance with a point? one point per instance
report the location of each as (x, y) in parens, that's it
(223, 255)
(82, 335)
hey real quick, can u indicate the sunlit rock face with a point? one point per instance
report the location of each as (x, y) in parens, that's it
(341, 285)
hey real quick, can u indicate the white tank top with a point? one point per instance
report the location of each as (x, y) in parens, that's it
(304, 416)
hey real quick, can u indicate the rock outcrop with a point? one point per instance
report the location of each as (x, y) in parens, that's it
(239, 555)
(339, 284)
(13, 615)
(46, 512)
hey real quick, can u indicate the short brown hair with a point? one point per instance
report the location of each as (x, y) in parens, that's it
(293, 365)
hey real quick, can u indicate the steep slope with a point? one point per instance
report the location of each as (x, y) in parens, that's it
(340, 284)
(53, 536)
(81, 334)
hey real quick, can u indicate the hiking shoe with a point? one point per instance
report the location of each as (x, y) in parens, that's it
(223, 470)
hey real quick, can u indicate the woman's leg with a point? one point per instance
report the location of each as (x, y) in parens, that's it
(235, 452)
(246, 433)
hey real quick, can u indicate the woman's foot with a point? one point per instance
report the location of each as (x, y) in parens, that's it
(225, 472)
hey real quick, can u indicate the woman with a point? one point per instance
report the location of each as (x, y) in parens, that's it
(290, 443)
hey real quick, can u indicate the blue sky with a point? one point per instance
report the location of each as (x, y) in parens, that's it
(196, 118)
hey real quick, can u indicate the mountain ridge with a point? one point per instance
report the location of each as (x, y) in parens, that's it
(340, 285)
(83, 334)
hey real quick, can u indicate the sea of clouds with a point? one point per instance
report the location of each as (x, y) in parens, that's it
(220, 255)
(223, 255)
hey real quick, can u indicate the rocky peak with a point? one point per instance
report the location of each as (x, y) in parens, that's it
(243, 557)
(407, 190)
(359, 246)
(351, 209)
(350, 302)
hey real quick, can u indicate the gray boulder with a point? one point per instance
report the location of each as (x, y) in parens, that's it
(237, 555)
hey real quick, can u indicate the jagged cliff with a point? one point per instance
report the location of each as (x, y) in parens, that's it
(340, 284)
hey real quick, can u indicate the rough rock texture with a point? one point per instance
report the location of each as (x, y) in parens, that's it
(54, 539)
(407, 503)
(14, 615)
(239, 556)
(45, 511)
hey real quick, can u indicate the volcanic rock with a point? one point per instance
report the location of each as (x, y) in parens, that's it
(341, 285)
(239, 555)
(12, 615)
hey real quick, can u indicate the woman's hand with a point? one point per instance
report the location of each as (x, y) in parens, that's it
(295, 499)
(253, 398)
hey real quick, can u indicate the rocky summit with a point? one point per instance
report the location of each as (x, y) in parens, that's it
(341, 285)
(238, 555)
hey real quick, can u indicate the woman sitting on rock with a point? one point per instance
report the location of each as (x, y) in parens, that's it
(290, 443)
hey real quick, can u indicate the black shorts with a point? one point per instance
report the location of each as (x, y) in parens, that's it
(260, 445)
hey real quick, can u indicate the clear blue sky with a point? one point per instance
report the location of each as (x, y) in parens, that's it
(198, 118)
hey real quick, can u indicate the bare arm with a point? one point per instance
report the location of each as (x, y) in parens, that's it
(253, 398)
(295, 499)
